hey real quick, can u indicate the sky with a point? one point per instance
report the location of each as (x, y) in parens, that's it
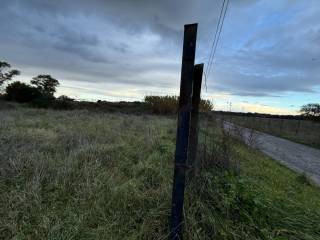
(267, 60)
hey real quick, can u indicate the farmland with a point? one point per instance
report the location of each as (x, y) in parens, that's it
(89, 175)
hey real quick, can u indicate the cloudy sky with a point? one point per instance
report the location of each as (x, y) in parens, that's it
(268, 58)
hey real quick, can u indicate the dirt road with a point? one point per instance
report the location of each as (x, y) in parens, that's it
(298, 157)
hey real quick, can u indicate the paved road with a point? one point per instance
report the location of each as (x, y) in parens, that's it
(298, 157)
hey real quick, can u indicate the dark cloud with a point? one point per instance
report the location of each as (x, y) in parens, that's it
(80, 51)
(78, 43)
(267, 48)
(77, 38)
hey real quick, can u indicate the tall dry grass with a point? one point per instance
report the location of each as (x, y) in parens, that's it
(169, 104)
(87, 175)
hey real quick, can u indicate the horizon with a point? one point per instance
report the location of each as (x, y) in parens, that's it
(267, 59)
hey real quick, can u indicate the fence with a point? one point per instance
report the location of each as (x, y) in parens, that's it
(302, 131)
(188, 154)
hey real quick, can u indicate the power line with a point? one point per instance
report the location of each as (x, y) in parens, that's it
(215, 36)
(216, 39)
(214, 52)
(205, 80)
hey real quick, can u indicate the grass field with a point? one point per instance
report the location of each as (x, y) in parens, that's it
(88, 175)
(301, 131)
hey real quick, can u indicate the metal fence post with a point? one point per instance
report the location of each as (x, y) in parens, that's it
(193, 139)
(182, 141)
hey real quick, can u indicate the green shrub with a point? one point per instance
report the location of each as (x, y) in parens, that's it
(169, 104)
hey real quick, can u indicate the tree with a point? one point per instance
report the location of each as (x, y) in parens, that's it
(311, 109)
(5, 73)
(46, 84)
(21, 92)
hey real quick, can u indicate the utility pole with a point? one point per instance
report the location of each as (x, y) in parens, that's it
(182, 141)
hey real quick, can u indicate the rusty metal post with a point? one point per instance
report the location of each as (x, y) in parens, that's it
(193, 139)
(182, 141)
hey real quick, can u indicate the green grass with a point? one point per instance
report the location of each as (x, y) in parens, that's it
(291, 204)
(300, 131)
(85, 175)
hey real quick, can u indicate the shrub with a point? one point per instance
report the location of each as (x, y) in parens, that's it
(63, 103)
(65, 98)
(21, 92)
(48, 101)
(42, 102)
(205, 105)
(162, 104)
(169, 104)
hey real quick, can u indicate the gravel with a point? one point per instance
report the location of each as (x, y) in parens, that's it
(298, 157)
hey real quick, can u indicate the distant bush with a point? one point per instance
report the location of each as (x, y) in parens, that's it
(42, 102)
(47, 101)
(205, 105)
(65, 98)
(162, 104)
(63, 103)
(21, 92)
(169, 104)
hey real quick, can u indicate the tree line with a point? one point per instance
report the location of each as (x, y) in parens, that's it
(40, 86)
(40, 93)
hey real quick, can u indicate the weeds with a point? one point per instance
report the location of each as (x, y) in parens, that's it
(226, 203)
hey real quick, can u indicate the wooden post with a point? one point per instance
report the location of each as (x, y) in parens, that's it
(193, 139)
(182, 141)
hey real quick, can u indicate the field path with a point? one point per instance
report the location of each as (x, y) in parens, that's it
(298, 157)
